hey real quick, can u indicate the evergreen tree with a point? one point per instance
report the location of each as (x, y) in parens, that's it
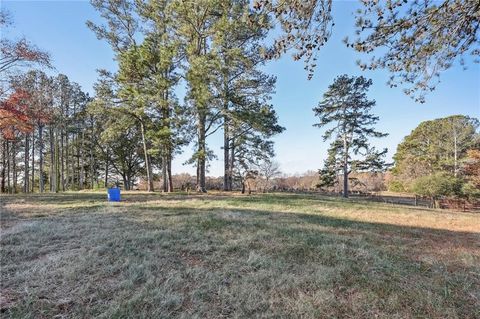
(434, 146)
(243, 89)
(345, 108)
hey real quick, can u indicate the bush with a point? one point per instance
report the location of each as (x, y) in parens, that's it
(396, 186)
(438, 184)
(470, 191)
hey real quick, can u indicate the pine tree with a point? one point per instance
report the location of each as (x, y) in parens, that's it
(243, 89)
(345, 106)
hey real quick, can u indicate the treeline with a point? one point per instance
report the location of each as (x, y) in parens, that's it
(439, 159)
(54, 137)
(212, 50)
(134, 125)
(48, 143)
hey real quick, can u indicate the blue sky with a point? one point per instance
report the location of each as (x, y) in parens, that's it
(59, 27)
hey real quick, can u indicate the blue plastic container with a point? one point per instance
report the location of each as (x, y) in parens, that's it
(114, 194)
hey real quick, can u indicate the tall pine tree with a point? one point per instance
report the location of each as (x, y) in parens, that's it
(345, 111)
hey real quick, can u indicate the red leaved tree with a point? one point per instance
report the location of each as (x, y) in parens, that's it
(14, 114)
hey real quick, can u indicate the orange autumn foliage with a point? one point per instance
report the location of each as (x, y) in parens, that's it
(14, 114)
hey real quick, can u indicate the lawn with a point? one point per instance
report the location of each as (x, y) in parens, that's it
(74, 255)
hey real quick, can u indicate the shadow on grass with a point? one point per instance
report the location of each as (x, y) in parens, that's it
(283, 222)
(235, 199)
(370, 253)
(280, 222)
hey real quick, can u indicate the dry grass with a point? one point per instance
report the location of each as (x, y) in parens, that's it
(74, 255)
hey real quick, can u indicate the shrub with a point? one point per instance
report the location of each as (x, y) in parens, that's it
(396, 186)
(438, 184)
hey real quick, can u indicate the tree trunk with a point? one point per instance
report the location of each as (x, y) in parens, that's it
(26, 187)
(231, 166)
(33, 161)
(40, 172)
(201, 153)
(167, 157)
(62, 162)
(126, 183)
(53, 183)
(67, 162)
(14, 166)
(8, 168)
(147, 159)
(164, 173)
(106, 171)
(455, 168)
(345, 167)
(58, 173)
(4, 161)
(226, 155)
(169, 173)
(81, 173)
(92, 167)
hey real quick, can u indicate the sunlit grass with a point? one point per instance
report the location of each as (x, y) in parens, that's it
(210, 256)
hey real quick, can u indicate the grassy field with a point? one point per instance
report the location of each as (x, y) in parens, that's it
(74, 255)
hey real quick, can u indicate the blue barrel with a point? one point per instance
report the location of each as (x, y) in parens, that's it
(114, 194)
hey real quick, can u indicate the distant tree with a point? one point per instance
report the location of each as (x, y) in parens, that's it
(14, 120)
(40, 89)
(345, 109)
(248, 151)
(433, 146)
(416, 40)
(14, 113)
(268, 170)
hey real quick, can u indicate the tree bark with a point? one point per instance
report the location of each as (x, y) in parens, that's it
(164, 173)
(67, 162)
(33, 161)
(226, 155)
(147, 159)
(345, 167)
(126, 183)
(14, 166)
(8, 168)
(26, 179)
(201, 153)
(169, 173)
(92, 167)
(232, 165)
(57, 164)
(53, 183)
(81, 173)
(106, 171)
(40, 138)
(4, 161)
(455, 168)
(62, 161)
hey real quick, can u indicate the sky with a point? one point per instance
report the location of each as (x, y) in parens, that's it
(59, 28)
